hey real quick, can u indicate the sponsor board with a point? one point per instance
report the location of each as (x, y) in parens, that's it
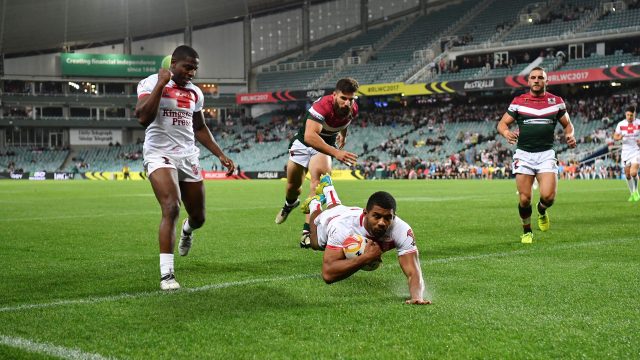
(94, 136)
(222, 175)
(37, 175)
(109, 65)
(344, 175)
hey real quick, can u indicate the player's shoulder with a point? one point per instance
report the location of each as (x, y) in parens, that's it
(324, 103)
(193, 87)
(521, 99)
(401, 228)
(553, 98)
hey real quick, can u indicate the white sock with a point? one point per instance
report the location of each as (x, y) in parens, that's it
(630, 184)
(331, 195)
(166, 264)
(187, 228)
(314, 206)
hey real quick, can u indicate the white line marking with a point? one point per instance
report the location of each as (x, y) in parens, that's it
(113, 298)
(49, 349)
(119, 214)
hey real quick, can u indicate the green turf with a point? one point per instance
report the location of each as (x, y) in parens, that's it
(255, 294)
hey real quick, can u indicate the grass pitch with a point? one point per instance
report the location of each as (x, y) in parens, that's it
(80, 276)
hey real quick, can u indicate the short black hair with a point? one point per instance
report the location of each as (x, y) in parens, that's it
(382, 199)
(183, 52)
(347, 85)
(631, 108)
(539, 68)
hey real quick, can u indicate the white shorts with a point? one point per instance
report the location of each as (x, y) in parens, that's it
(188, 167)
(328, 229)
(630, 157)
(531, 163)
(301, 154)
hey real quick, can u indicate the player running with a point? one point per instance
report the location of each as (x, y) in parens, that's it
(377, 223)
(170, 108)
(321, 137)
(536, 113)
(628, 131)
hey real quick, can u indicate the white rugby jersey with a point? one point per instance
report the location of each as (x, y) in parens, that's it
(350, 220)
(171, 132)
(630, 134)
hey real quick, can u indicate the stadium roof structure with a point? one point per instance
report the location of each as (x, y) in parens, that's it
(40, 26)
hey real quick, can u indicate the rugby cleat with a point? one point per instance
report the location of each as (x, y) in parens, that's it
(526, 238)
(305, 205)
(325, 180)
(636, 196)
(168, 283)
(185, 241)
(543, 221)
(284, 212)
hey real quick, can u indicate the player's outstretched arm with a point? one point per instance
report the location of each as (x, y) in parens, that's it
(204, 137)
(336, 267)
(410, 265)
(503, 129)
(313, 139)
(147, 106)
(568, 130)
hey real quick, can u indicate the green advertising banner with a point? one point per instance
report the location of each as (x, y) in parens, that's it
(109, 65)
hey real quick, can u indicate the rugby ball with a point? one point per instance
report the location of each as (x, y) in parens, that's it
(166, 62)
(354, 246)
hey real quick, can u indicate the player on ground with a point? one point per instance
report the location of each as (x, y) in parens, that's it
(321, 137)
(628, 131)
(378, 223)
(170, 108)
(536, 113)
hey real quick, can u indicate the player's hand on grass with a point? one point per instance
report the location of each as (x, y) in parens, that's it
(346, 157)
(228, 163)
(571, 141)
(417, 302)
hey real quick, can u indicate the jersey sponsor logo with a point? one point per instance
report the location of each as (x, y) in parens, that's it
(537, 121)
(551, 101)
(630, 129)
(179, 118)
(182, 97)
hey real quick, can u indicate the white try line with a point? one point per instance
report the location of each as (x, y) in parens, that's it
(114, 298)
(49, 349)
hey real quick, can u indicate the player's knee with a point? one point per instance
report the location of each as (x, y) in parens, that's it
(547, 201)
(196, 221)
(171, 209)
(525, 200)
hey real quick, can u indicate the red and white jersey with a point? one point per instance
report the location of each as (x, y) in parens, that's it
(341, 221)
(630, 134)
(171, 132)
